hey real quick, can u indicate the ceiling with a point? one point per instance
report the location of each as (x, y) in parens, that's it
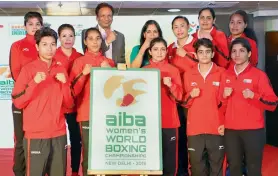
(124, 8)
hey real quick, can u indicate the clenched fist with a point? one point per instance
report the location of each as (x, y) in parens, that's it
(61, 77)
(105, 64)
(221, 130)
(167, 81)
(195, 92)
(39, 77)
(247, 93)
(111, 36)
(227, 92)
(86, 69)
(181, 52)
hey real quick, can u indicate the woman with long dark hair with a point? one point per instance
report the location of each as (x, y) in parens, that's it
(239, 28)
(139, 56)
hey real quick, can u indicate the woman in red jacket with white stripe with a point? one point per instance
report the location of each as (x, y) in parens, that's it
(208, 30)
(247, 92)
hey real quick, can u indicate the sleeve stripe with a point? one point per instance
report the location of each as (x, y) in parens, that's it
(271, 103)
(76, 79)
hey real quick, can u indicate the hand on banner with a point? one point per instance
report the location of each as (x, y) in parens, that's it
(221, 130)
(86, 69)
(167, 81)
(61, 77)
(105, 64)
(247, 93)
(111, 36)
(39, 77)
(195, 92)
(181, 52)
(227, 92)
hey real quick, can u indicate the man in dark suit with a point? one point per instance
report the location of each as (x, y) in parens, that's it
(113, 44)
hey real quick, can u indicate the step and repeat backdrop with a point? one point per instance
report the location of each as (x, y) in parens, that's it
(12, 29)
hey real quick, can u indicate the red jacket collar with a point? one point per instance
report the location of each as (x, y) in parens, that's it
(60, 51)
(158, 64)
(214, 69)
(31, 39)
(93, 55)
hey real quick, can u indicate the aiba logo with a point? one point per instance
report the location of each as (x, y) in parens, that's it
(6, 83)
(114, 83)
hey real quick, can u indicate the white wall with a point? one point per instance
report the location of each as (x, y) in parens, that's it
(130, 26)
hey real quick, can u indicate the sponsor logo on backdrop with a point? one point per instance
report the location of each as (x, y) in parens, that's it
(1, 26)
(192, 27)
(17, 29)
(6, 83)
(114, 83)
(78, 29)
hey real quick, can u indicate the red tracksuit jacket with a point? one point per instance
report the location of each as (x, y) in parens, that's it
(81, 84)
(220, 42)
(42, 103)
(241, 113)
(205, 113)
(254, 51)
(183, 63)
(67, 63)
(22, 52)
(169, 96)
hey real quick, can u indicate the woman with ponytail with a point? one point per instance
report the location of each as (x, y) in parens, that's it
(239, 28)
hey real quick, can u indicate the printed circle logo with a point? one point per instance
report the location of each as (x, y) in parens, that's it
(114, 83)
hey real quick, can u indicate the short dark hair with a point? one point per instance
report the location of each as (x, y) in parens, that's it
(102, 5)
(203, 42)
(45, 32)
(244, 42)
(209, 9)
(157, 40)
(65, 26)
(91, 29)
(30, 15)
(180, 17)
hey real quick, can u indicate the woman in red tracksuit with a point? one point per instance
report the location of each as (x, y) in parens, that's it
(66, 55)
(22, 52)
(218, 38)
(247, 92)
(80, 77)
(181, 54)
(201, 85)
(238, 28)
(41, 89)
(171, 91)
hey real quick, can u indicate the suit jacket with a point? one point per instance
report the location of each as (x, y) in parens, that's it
(118, 47)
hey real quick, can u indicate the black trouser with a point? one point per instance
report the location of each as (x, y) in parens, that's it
(75, 141)
(84, 129)
(46, 156)
(248, 143)
(182, 140)
(19, 167)
(170, 151)
(214, 146)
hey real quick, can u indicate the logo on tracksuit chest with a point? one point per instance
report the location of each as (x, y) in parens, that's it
(193, 84)
(249, 81)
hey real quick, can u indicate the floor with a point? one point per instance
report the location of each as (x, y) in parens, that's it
(270, 162)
